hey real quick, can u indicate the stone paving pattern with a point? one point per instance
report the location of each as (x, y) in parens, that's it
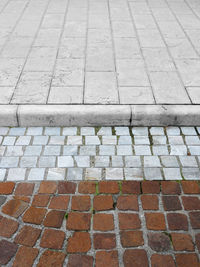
(99, 52)
(99, 153)
(111, 223)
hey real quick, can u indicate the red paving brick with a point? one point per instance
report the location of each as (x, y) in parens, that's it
(171, 203)
(59, 202)
(159, 242)
(127, 203)
(52, 258)
(131, 239)
(28, 236)
(47, 187)
(190, 187)
(25, 256)
(155, 221)
(40, 200)
(6, 188)
(24, 189)
(106, 258)
(158, 260)
(182, 242)
(87, 187)
(54, 218)
(131, 187)
(52, 239)
(80, 261)
(79, 242)
(170, 188)
(108, 187)
(85, 224)
(136, 258)
(103, 222)
(14, 207)
(103, 203)
(104, 241)
(149, 202)
(81, 203)
(8, 227)
(78, 221)
(150, 187)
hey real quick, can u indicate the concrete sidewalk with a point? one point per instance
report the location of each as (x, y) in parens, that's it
(101, 58)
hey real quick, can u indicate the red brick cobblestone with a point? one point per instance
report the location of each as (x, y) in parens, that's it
(87, 224)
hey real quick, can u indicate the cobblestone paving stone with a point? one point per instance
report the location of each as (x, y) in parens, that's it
(88, 223)
(99, 52)
(99, 153)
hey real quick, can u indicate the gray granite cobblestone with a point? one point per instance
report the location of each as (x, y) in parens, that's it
(95, 153)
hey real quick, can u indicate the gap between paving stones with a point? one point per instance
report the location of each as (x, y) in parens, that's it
(130, 223)
(98, 115)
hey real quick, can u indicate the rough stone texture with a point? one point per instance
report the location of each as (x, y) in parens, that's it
(40, 200)
(25, 256)
(152, 235)
(159, 242)
(6, 188)
(162, 260)
(80, 261)
(25, 189)
(150, 187)
(52, 239)
(131, 187)
(34, 215)
(35, 153)
(66, 188)
(106, 258)
(79, 242)
(14, 208)
(50, 258)
(149, 202)
(107, 187)
(187, 260)
(54, 218)
(195, 219)
(8, 227)
(170, 188)
(177, 221)
(103, 203)
(28, 236)
(78, 221)
(47, 187)
(59, 202)
(128, 221)
(103, 222)
(182, 242)
(171, 203)
(135, 257)
(155, 221)
(131, 239)
(8, 250)
(127, 203)
(81, 203)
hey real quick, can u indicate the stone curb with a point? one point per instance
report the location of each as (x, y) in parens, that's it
(99, 115)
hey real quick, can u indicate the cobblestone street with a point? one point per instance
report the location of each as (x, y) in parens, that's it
(110, 223)
(99, 153)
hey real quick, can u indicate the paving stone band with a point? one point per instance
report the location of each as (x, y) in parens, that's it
(99, 153)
